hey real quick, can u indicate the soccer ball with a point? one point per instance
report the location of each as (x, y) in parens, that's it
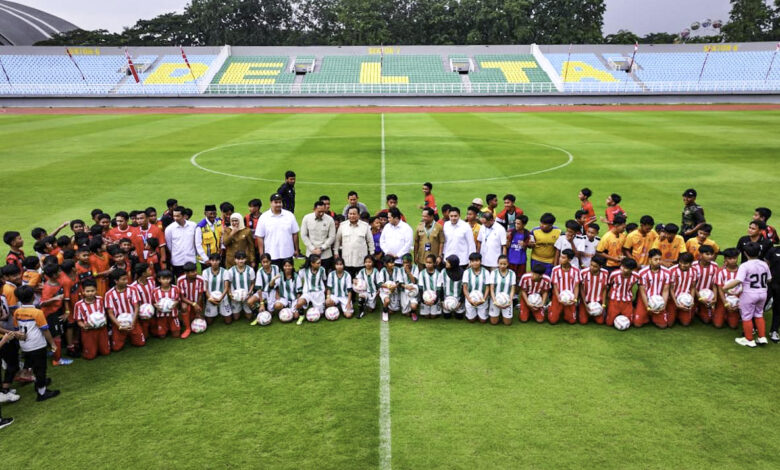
(535, 301)
(476, 296)
(360, 285)
(166, 304)
(215, 295)
(685, 299)
(239, 295)
(313, 314)
(566, 297)
(732, 301)
(655, 303)
(264, 318)
(285, 315)
(429, 296)
(125, 320)
(388, 285)
(706, 296)
(146, 311)
(413, 292)
(622, 322)
(199, 325)
(97, 319)
(451, 303)
(332, 313)
(502, 300)
(736, 290)
(595, 309)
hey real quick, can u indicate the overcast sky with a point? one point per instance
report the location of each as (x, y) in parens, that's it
(639, 16)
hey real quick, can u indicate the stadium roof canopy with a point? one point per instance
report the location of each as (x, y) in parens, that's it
(21, 25)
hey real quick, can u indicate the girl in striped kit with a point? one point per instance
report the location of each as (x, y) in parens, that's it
(265, 282)
(503, 282)
(429, 279)
(476, 278)
(217, 289)
(339, 289)
(451, 278)
(286, 290)
(242, 277)
(311, 284)
(373, 278)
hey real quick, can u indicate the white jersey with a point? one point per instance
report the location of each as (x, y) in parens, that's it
(429, 281)
(402, 277)
(241, 280)
(309, 281)
(215, 282)
(263, 278)
(586, 248)
(503, 284)
(563, 244)
(288, 288)
(476, 281)
(373, 280)
(339, 286)
(451, 286)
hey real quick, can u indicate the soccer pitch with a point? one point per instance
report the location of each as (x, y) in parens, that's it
(460, 395)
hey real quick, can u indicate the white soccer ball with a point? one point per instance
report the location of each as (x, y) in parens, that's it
(429, 296)
(736, 290)
(535, 301)
(360, 285)
(413, 292)
(264, 318)
(125, 320)
(199, 325)
(313, 314)
(732, 301)
(332, 313)
(285, 315)
(476, 296)
(706, 296)
(566, 297)
(239, 295)
(685, 299)
(145, 311)
(595, 309)
(503, 300)
(388, 285)
(622, 322)
(215, 295)
(451, 303)
(97, 319)
(166, 304)
(655, 303)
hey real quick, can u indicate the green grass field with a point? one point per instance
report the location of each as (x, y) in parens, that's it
(462, 395)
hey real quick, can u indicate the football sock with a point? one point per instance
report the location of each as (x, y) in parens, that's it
(747, 328)
(58, 351)
(761, 327)
(185, 319)
(41, 390)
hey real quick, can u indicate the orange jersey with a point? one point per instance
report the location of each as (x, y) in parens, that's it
(116, 233)
(670, 251)
(140, 236)
(50, 291)
(692, 246)
(32, 278)
(640, 245)
(612, 245)
(98, 264)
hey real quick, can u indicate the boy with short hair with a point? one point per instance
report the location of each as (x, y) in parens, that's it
(670, 244)
(683, 279)
(566, 242)
(763, 214)
(429, 201)
(100, 265)
(754, 235)
(621, 282)
(535, 282)
(143, 292)
(613, 209)
(701, 239)
(94, 339)
(639, 242)
(754, 275)
(653, 280)
(476, 278)
(594, 281)
(707, 273)
(217, 288)
(542, 242)
(518, 239)
(15, 243)
(56, 310)
(581, 217)
(586, 245)
(565, 277)
(167, 320)
(509, 214)
(611, 244)
(587, 206)
(120, 300)
(724, 312)
(34, 340)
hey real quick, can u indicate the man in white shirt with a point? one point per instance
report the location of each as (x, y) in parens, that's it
(318, 232)
(458, 238)
(491, 241)
(397, 236)
(277, 233)
(180, 239)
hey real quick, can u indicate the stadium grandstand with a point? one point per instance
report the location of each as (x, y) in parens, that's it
(21, 25)
(510, 70)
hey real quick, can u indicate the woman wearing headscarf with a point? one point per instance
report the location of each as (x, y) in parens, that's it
(452, 276)
(236, 238)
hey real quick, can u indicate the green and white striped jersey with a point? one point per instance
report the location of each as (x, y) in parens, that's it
(241, 280)
(339, 286)
(429, 281)
(263, 279)
(215, 282)
(373, 280)
(287, 288)
(451, 286)
(476, 281)
(402, 277)
(503, 283)
(309, 281)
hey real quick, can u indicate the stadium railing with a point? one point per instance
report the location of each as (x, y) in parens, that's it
(623, 87)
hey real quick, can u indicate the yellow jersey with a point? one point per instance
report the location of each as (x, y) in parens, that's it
(544, 248)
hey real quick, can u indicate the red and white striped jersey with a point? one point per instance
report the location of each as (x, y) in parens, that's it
(142, 293)
(724, 276)
(654, 281)
(565, 280)
(119, 302)
(84, 309)
(620, 288)
(682, 281)
(191, 289)
(707, 276)
(528, 285)
(593, 284)
(173, 293)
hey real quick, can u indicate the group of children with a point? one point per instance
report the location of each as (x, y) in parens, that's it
(89, 294)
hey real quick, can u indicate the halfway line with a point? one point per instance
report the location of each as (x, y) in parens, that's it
(384, 357)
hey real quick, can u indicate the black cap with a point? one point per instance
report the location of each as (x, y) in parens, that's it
(689, 193)
(276, 197)
(210, 207)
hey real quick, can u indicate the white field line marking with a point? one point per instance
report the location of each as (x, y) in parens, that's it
(385, 449)
(194, 162)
